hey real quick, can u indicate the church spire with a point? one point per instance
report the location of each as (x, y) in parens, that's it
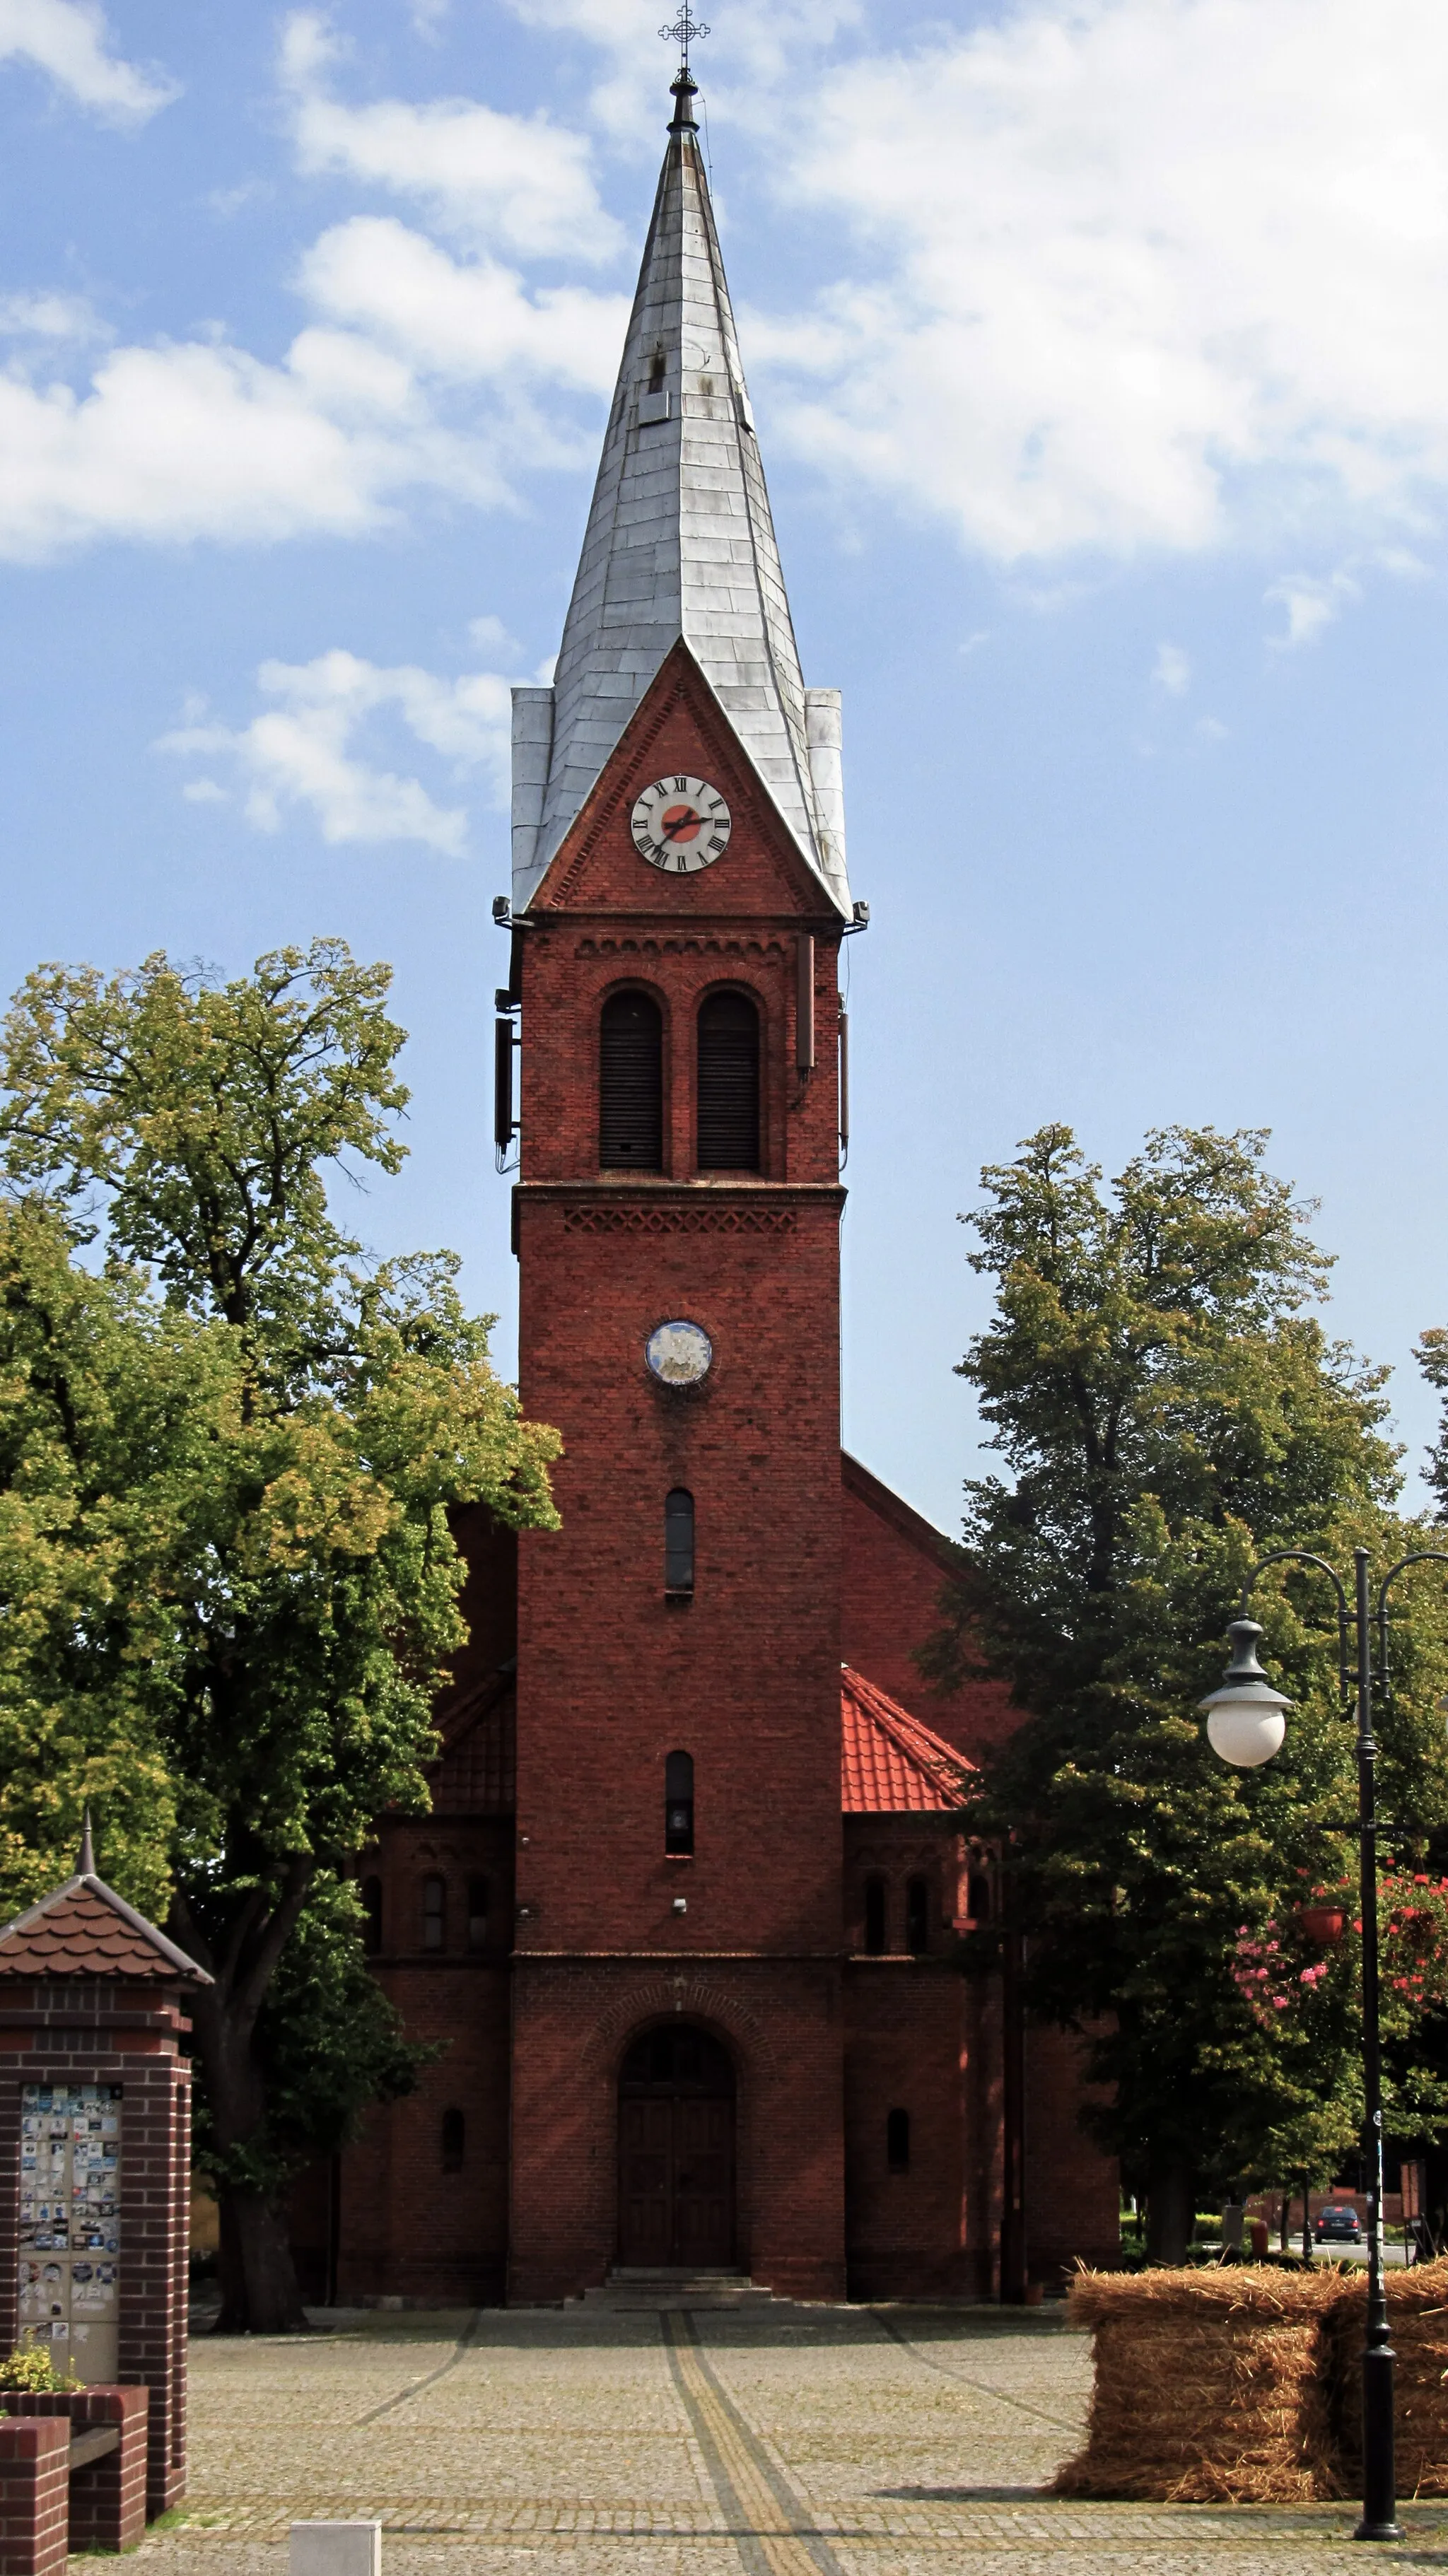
(680, 544)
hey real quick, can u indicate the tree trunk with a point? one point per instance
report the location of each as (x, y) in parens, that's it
(259, 2293)
(1171, 2208)
(259, 2288)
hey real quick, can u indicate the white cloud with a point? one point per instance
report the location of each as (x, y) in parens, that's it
(190, 441)
(69, 41)
(1136, 274)
(464, 320)
(1309, 605)
(301, 752)
(202, 440)
(49, 317)
(1172, 670)
(204, 791)
(513, 182)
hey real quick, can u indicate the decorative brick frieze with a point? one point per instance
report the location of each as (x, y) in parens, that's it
(594, 1219)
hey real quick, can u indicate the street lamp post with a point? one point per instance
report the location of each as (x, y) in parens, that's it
(1246, 1722)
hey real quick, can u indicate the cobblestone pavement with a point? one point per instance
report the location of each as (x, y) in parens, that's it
(781, 2442)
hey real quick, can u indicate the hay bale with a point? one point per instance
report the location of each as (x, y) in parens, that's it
(1210, 2387)
(1418, 2321)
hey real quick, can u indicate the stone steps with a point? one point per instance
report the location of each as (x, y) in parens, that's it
(653, 2291)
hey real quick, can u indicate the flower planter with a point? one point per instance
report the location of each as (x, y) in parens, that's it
(64, 2484)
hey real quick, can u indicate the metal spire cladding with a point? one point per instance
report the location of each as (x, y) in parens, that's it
(680, 543)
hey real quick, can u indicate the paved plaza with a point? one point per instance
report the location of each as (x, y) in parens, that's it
(784, 2442)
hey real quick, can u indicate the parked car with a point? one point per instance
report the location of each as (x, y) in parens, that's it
(1338, 2219)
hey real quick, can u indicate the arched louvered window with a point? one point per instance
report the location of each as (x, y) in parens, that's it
(679, 1543)
(874, 1916)
(454, 2141)
(897, 2141)
(728, 1084)
(679, 1804)
(371, 1916)
(631, 1085)
(917, 1915)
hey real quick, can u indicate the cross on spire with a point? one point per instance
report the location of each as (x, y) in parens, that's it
(684, 32)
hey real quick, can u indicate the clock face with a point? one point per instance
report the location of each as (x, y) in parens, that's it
(679, 1352)
(680, 825)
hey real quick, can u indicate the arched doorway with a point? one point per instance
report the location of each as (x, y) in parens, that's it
(676, 2151)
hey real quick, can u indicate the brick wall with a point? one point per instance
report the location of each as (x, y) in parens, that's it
(34, 2476)
(107, 2497)
(780, 2020)
(894, 1569)
(75, 2031)
(1073, 2196)
(408, 2226)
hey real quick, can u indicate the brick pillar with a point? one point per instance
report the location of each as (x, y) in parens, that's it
(34, 2476)
(91, 2006)
(108, 2495)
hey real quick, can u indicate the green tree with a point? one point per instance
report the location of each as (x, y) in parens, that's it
(1167, 1412)
(107, 1406)
(311, 1579)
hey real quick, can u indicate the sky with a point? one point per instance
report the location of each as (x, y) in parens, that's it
(1099, 358)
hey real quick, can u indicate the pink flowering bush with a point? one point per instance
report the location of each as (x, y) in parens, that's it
(1281, 1975)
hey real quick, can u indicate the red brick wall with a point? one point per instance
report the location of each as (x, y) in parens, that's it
(34, 2475)
(894, 1571)
(71, 2031)
(407, 2227)
(780, 2020)
(1073, 2196)
(107, 2501)
(612, 1677)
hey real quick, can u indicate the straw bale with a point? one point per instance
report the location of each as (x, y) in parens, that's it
(1418, 2321)
(1210, 2387)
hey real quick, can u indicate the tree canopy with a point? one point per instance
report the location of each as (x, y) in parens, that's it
(234, 1449)
(1167, 1411)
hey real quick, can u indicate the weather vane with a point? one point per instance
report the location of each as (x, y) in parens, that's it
(684, 31)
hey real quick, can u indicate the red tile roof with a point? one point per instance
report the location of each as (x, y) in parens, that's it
(890, 1764)
(85, 1930)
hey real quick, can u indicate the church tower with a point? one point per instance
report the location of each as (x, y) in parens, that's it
(679, 895)
(684, 1910)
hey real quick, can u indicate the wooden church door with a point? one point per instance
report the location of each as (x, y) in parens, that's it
(676, 2152)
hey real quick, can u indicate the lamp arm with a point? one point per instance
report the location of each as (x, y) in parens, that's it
(1304, 1556)
(1420, 1556)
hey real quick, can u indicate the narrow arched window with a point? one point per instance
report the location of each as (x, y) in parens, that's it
(917, 1915)
(478, 1893)
(875, 1916)
(631, 1085)
(434, 1913)
(728, 1084)
(679, 1804)
(897, 2141)
(371, 1916)
(679, 1543)
(978, 1896)
(454, 2141)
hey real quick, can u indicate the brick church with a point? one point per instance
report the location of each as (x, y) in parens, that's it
(685, 1906)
